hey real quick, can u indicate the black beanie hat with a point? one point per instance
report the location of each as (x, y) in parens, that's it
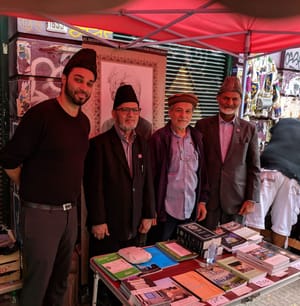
(84, 58)
(125, 93)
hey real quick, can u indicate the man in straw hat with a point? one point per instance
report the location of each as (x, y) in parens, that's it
(179, 170)
(45, 158)
(233, 163)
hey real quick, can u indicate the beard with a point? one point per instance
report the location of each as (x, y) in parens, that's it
(72, 96)
(127, 128)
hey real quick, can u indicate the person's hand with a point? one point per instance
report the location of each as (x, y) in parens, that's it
(145, 226)
(201, 211)
(100, 231)
(247, 208)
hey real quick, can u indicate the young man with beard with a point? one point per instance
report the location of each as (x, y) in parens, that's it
(45, 158)
(179, 170)
(118, 182)
(233, 163)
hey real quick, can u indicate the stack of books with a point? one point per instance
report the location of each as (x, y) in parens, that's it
(294, 258)
(231, 241)
(143, 291)
(198, 238)
(243, 231)
(241, 268)
(129, 287)
(264, 258)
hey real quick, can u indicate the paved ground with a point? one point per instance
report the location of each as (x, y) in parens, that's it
(286, 296)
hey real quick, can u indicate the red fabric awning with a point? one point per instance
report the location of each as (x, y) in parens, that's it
(200, 23)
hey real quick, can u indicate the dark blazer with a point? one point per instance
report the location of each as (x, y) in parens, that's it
(238, 178)
(112, 195)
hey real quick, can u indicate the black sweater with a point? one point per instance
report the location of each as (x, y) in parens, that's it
(51, 146)
(283, 151)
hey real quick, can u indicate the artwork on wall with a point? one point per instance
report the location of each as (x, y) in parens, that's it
(144, 70)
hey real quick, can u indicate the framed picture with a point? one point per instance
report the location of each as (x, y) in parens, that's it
(144, 70)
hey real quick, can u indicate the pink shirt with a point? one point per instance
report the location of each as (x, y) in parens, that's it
(225, 131)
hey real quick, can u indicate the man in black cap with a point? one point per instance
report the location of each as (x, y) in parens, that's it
(179, 170)
(118, 181)
(45, 158)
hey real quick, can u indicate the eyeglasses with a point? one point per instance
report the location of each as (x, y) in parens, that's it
(127, 110)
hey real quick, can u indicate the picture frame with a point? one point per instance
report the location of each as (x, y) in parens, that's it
(143, 69)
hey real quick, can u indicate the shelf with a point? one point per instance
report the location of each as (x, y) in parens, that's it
(11, 286)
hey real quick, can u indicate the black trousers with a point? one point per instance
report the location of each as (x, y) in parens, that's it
(48, 239)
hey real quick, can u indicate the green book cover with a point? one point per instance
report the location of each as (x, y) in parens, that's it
(116, 266)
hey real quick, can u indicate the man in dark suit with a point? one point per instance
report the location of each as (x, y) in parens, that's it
(118, 181)
(232, 155)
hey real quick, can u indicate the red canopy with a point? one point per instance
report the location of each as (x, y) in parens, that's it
(200, 23)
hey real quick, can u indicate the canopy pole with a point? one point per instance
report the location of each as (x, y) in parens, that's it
(245, 69)
(244, 86)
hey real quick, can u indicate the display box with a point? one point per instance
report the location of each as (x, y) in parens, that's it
(39, 57)
(10, 267)
(196, 237)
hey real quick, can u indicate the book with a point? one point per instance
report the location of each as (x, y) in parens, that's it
(222, 277)
(231, 241)
(153, 296)
(177, 294)
(264, 258)
(294, 258)
(175, 250)
(196, 237)
(231, 226)
(243, 231)
(115, 266)
(198, 285)
(158, 261)
(241, 268)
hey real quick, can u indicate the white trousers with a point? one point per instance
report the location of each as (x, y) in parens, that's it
(283, 194)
